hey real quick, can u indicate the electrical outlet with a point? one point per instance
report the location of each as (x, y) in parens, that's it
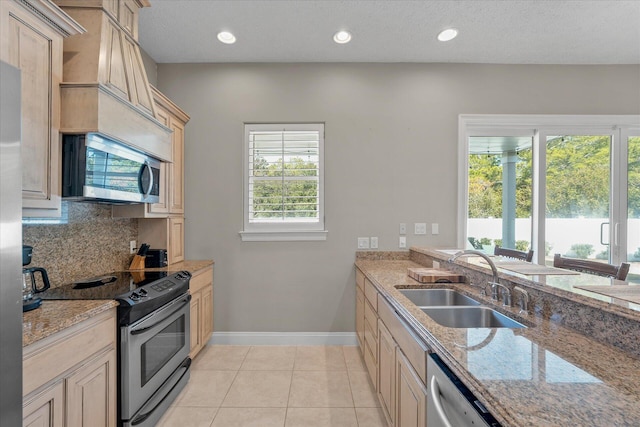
(420, 228)
(402, 244)
(363, 243)
(435, 228)
(374, 243)
(133, 247)
(403, 228)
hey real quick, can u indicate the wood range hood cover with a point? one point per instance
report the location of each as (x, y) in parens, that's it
(105, 87)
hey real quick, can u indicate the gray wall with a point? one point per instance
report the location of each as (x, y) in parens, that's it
(391, 147)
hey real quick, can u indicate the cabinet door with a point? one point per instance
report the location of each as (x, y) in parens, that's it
(36, 50)
(176, 168)
(411, 395)
(176, 240)
(360, 318)
(46, 409)
(139, 93)
(207, 313)
(386, 371)
(195, 326)
(91, 393)
(162, 207)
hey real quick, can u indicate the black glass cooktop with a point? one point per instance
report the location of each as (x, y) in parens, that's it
(106, 286)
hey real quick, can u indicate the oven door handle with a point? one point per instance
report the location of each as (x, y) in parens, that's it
(142, 417)
(146, 328)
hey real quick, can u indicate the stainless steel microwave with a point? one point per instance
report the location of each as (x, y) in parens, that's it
(99, 169)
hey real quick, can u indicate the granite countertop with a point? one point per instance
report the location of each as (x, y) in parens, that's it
(55, 315)
(542, 375)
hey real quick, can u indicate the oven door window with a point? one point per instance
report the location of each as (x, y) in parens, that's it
(160, 348)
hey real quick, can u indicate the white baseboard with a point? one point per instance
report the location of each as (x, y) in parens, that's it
(284, 338)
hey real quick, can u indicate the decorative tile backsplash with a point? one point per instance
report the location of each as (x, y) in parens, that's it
(90, 244)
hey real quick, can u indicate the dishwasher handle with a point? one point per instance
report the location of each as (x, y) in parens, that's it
(435, 396)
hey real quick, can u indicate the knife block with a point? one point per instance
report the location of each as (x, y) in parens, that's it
(137, 263)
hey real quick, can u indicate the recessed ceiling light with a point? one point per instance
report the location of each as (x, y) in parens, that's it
(448, 34)
(226, 37)
(342, 37)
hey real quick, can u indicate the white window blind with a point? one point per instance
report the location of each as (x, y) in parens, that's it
(284, 178)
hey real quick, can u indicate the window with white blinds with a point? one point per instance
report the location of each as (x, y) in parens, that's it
(284, 182)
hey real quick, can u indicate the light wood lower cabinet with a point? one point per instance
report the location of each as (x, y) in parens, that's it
(387, 373)
(360, 309)
(45, 408)
(201, 289)
(394, 356)
(411, 395)
(69, 378)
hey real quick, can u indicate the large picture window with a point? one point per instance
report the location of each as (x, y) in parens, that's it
(283, 182)
(554, 184)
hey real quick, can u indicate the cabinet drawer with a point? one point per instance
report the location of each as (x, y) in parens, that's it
(360, 279)
(371, 340)
(68, 348)
(360, 316)
(371, 293)
(370, 361)
(201, 279)
(412, 347)
(371, 318)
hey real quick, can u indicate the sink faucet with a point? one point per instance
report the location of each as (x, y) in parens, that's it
(470, 252)
(506, 293)
(523, 301)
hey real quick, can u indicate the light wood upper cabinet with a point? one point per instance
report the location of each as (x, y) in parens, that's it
(34, 44)
(172, 184)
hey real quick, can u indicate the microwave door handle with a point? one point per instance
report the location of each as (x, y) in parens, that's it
(145, 191)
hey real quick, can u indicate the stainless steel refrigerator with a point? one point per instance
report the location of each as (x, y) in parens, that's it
(10, 248)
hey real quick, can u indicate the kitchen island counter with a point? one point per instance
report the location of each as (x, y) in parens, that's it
(542, 375)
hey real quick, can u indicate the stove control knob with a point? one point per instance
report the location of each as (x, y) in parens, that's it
(143, 292)
(135, 296)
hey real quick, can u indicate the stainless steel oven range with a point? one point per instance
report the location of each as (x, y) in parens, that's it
(153, 337)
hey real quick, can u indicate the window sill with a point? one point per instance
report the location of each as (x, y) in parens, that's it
(283, 236)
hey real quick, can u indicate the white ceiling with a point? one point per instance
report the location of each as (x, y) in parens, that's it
(497, 31)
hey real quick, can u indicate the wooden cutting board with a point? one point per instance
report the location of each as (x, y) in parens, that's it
(434, 275)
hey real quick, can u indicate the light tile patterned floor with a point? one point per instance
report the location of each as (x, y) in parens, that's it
(279, 386)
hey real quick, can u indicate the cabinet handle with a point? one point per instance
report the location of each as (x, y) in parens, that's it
(435, 396)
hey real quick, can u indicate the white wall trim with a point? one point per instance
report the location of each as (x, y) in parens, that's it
(284, 338)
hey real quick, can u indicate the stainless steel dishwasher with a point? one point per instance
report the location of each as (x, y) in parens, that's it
(449, 402)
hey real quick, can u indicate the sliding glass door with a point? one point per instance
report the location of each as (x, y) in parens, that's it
(633, 205)
(561, 184)
(578, 196)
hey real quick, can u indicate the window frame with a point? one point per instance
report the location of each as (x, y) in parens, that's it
(286, 230)
(539, 126)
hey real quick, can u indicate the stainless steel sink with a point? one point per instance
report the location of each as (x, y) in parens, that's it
(470, 317)
(437, 297)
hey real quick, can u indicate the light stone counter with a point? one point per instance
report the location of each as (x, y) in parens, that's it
(54, 315)
(543, 375)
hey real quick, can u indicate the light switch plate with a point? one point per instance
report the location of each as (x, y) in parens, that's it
(403, 228)
(363, 243)
(402, 243)
(420, 228)
(374, 243)
(435, 228)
